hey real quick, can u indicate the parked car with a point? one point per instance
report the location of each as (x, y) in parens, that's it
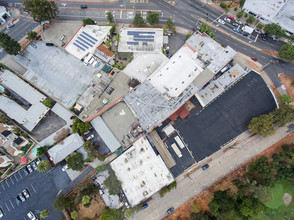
(265, 36)
(87, 132)
(254, 59)
(21, 197)
(17, 200)
(235, 24)
(26, 172)
(227, 20)
(1, 213)
(221, 21)
(29, 168)
(38, 160)
(34, 165)
(231, 17)
(145, 206)
(90, 137)
(206, 166)
(238, 21)
(245, 34)
(32, 216)
(26, 194)
(84, 6)
(9, 25)
(258, 31)
(236, 30)
(49, 44)
(276, 39)
(170, 210)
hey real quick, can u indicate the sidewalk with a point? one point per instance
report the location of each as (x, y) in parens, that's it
(223, 162)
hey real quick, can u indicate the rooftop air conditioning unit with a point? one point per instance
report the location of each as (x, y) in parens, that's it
(105, 101)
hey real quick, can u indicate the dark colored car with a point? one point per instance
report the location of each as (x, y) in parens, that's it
(254, 59)
(49, 44)
(205, 167)
(265, 36)
(21, 197)
(84, 6)
(26, 172)
(17, 200)
(145, 206)
(170, 210)
(1, 213)
(245, 34)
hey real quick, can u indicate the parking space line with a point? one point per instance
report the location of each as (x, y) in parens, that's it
(3, 186)
(11, 180)
(20, 175)
(15, 178)
(7, 207)
(33, 188)
(11, 204)
(7, 183)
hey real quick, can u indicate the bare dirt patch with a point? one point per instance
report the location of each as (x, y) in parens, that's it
(287, 198)
(287, 80)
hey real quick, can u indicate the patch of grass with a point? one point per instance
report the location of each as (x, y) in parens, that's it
(277, 191)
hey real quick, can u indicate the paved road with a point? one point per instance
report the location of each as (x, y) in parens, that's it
(222, 164)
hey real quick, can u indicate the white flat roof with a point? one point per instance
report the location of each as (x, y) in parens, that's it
(87, 39)
(175, 75)
(140, 40)
(141, 172)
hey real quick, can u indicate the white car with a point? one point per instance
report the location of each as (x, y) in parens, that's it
(227, 20)
(221, 21)
(90, 137)
(31, 216)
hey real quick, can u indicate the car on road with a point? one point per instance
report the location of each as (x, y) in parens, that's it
(29, 168)
(145, 206)
(90, 137)
(21, 197)
(245, 34)
(231, 17)
(236, 30)
(170, 210)
(235, 24)
(227, 20)
(254, 59)
(221, 21)
(84, 6)
(26, 194)
(9, 25)
(34, 165)
(206, 166)
(1, 213)
(32, 216)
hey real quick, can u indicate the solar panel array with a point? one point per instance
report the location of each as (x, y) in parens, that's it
(141, 36)
(85, 41)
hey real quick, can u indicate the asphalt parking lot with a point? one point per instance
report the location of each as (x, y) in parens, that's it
(227, 117)
(98, 143)
(42, 187)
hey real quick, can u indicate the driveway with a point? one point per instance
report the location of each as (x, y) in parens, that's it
(42, 187)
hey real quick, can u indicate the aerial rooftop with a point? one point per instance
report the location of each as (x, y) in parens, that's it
(140, 40)
(86, 40)
(141, 172)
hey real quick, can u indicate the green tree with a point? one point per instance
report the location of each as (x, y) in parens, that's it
(75, 161)
(259, 26)
(88, 21)
(32, 35)
(200, 216)
(41, 10)
(286, 52)
(111, 214)
(274, 29)
(152, 18)
(283, 115)
(263, 170)
(263, 125)
(109, 17)
(214, 208)
(117, 38)
(44, 213)
(170, 24)
(88, 146)
(61, 203)
(41, 151)
(112, 183)
(101, 168)
(138, 20)
(9, 45)
(225, 6)
(195, 207)
(224, 201)
(43, 166)
(207, 29)
(251, 19)
(101, 157)
(242, 2)
(285, 99)
(86, 200)
(48, 102)
(251, 207)
(240, 14)
(129, 213)
(236, 9)
(79, 126)
(74, 214)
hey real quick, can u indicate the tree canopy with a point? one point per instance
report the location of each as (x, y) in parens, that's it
(79, 126)
(285, 99)
(112, 183)
(41, 10)
(250, 207)
(61, 203)
(88, 21)
(170, 24)
(43, 166)
(111, 214)
(9, 45)
(274, 29)
(251, 19)
(88, 146)
(41, 151)
(44, 213)
(263, 125)
(286, 52)
(75, 161)
(110, 17)
(152, 18)
(207, 29)
(138, 20)
(32, 35)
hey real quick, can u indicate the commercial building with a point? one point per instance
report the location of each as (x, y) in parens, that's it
(272, 11)
(28, 110)
(141, 172)
(3, 15)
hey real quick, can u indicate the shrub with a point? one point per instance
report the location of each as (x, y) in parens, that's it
(285, 99)
(235, 9)
(101, 168)
(43, 166)
(48, 102)
(88, 21)
(75, 161)
(101, 157)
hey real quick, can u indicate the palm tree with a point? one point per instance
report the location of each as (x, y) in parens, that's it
(43, 166)
(44, 213)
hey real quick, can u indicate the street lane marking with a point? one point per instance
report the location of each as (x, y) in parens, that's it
(11, 204)
(7, 207)
(33, 188)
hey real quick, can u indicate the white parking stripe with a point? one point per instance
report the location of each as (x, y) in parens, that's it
(20, 175)
(33, 188)
(3, 186)
(7, 207)
(7, 183)
(11, 204)
(15, 178)
(11, 180)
